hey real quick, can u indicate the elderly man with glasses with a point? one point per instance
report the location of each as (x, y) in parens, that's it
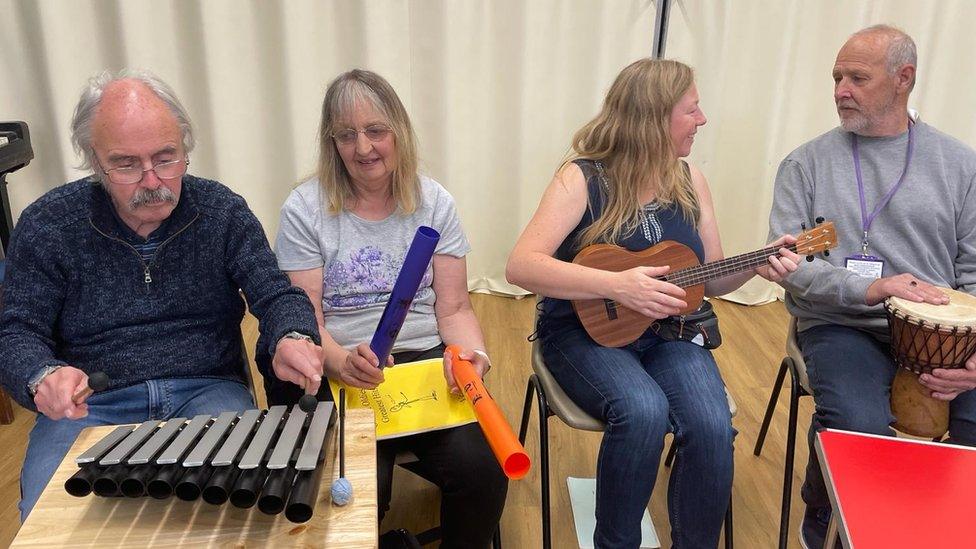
(137, 272)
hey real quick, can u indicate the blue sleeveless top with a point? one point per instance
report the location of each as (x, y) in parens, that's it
(657, 224)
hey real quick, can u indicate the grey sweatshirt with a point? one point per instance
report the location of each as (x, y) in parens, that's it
(928, 228)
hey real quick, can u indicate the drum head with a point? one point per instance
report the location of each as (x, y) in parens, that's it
(960, 311)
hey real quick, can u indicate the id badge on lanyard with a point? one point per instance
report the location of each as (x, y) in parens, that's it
(864, 264)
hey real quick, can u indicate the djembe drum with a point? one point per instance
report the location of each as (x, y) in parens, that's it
(925, 337)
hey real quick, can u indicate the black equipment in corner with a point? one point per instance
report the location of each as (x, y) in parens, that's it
(15, 153)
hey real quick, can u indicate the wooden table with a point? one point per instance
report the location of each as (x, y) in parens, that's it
(895, 492)
(60, 520)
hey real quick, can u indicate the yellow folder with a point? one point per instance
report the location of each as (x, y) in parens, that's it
(413, 398)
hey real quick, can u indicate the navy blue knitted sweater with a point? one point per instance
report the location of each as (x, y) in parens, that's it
(76, 293)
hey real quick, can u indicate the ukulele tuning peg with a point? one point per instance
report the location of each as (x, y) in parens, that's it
(809, 258)
(803, 226)
(819, 220)
(826, 253)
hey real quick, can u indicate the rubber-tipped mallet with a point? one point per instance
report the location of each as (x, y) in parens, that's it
(97, 381)
(308, 403)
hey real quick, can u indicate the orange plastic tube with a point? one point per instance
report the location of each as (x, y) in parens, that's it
(502, 441)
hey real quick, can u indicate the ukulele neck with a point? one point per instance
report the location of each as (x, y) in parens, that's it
(707, 272)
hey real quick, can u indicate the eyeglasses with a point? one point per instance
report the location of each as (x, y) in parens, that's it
(130, 175)
(375, 133)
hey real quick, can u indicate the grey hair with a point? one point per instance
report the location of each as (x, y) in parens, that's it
(91, 97)
(901, 48)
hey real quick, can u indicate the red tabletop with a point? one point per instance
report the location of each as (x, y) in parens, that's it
(890, 492)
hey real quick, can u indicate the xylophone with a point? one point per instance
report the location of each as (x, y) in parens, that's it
(273, 458)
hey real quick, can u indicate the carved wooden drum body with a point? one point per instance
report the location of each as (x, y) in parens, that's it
(925, 337)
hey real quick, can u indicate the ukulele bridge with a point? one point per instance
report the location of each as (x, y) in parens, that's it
(611, 307)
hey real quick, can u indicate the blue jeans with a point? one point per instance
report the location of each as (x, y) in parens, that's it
(157, 399)
(641, 391)
(850, 373)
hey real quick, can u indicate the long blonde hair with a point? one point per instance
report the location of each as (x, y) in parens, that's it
(631, 137)
(344, 93)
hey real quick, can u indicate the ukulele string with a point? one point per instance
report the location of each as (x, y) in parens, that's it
(717, 269)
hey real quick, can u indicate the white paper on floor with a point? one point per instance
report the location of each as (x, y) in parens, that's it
(582, 497)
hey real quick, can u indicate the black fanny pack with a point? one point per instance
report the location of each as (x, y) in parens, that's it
(699, 327)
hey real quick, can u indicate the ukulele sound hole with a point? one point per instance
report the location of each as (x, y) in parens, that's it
(611, 307)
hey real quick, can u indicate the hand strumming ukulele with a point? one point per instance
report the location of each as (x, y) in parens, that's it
(613, 325)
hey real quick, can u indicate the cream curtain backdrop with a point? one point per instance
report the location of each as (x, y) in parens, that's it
(764, 75)
(494, 88)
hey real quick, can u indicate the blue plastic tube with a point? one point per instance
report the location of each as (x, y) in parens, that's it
(404, 290)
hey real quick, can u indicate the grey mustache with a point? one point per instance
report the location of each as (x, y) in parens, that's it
(144, 197)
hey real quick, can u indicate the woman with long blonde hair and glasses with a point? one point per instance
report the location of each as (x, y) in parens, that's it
(342, 238)
(626, 184)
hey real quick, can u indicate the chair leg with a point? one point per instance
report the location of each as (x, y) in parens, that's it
(544, 465)
(6, 410)
(672, 450)
(773, 397)
(784, 519)
(526, 409)
(728, 525)
(496, 540)
(533, 387)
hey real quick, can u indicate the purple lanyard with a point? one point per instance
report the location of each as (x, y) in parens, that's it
(866, 219)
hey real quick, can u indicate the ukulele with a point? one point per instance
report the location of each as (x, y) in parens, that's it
(612, 325)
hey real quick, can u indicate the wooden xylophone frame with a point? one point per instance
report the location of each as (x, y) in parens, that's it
(251, 457)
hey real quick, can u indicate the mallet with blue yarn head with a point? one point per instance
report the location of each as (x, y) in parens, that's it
(341, 488)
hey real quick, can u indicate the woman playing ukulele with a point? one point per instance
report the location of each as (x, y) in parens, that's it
(626, 184)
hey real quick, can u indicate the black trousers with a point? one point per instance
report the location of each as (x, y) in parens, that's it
(459, 461)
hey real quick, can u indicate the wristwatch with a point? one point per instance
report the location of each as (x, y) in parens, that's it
(298, 335)
(35, 382)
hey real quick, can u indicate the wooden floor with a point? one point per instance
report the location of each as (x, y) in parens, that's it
(749, 357)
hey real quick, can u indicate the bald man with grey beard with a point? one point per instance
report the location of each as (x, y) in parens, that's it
(900, 194)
